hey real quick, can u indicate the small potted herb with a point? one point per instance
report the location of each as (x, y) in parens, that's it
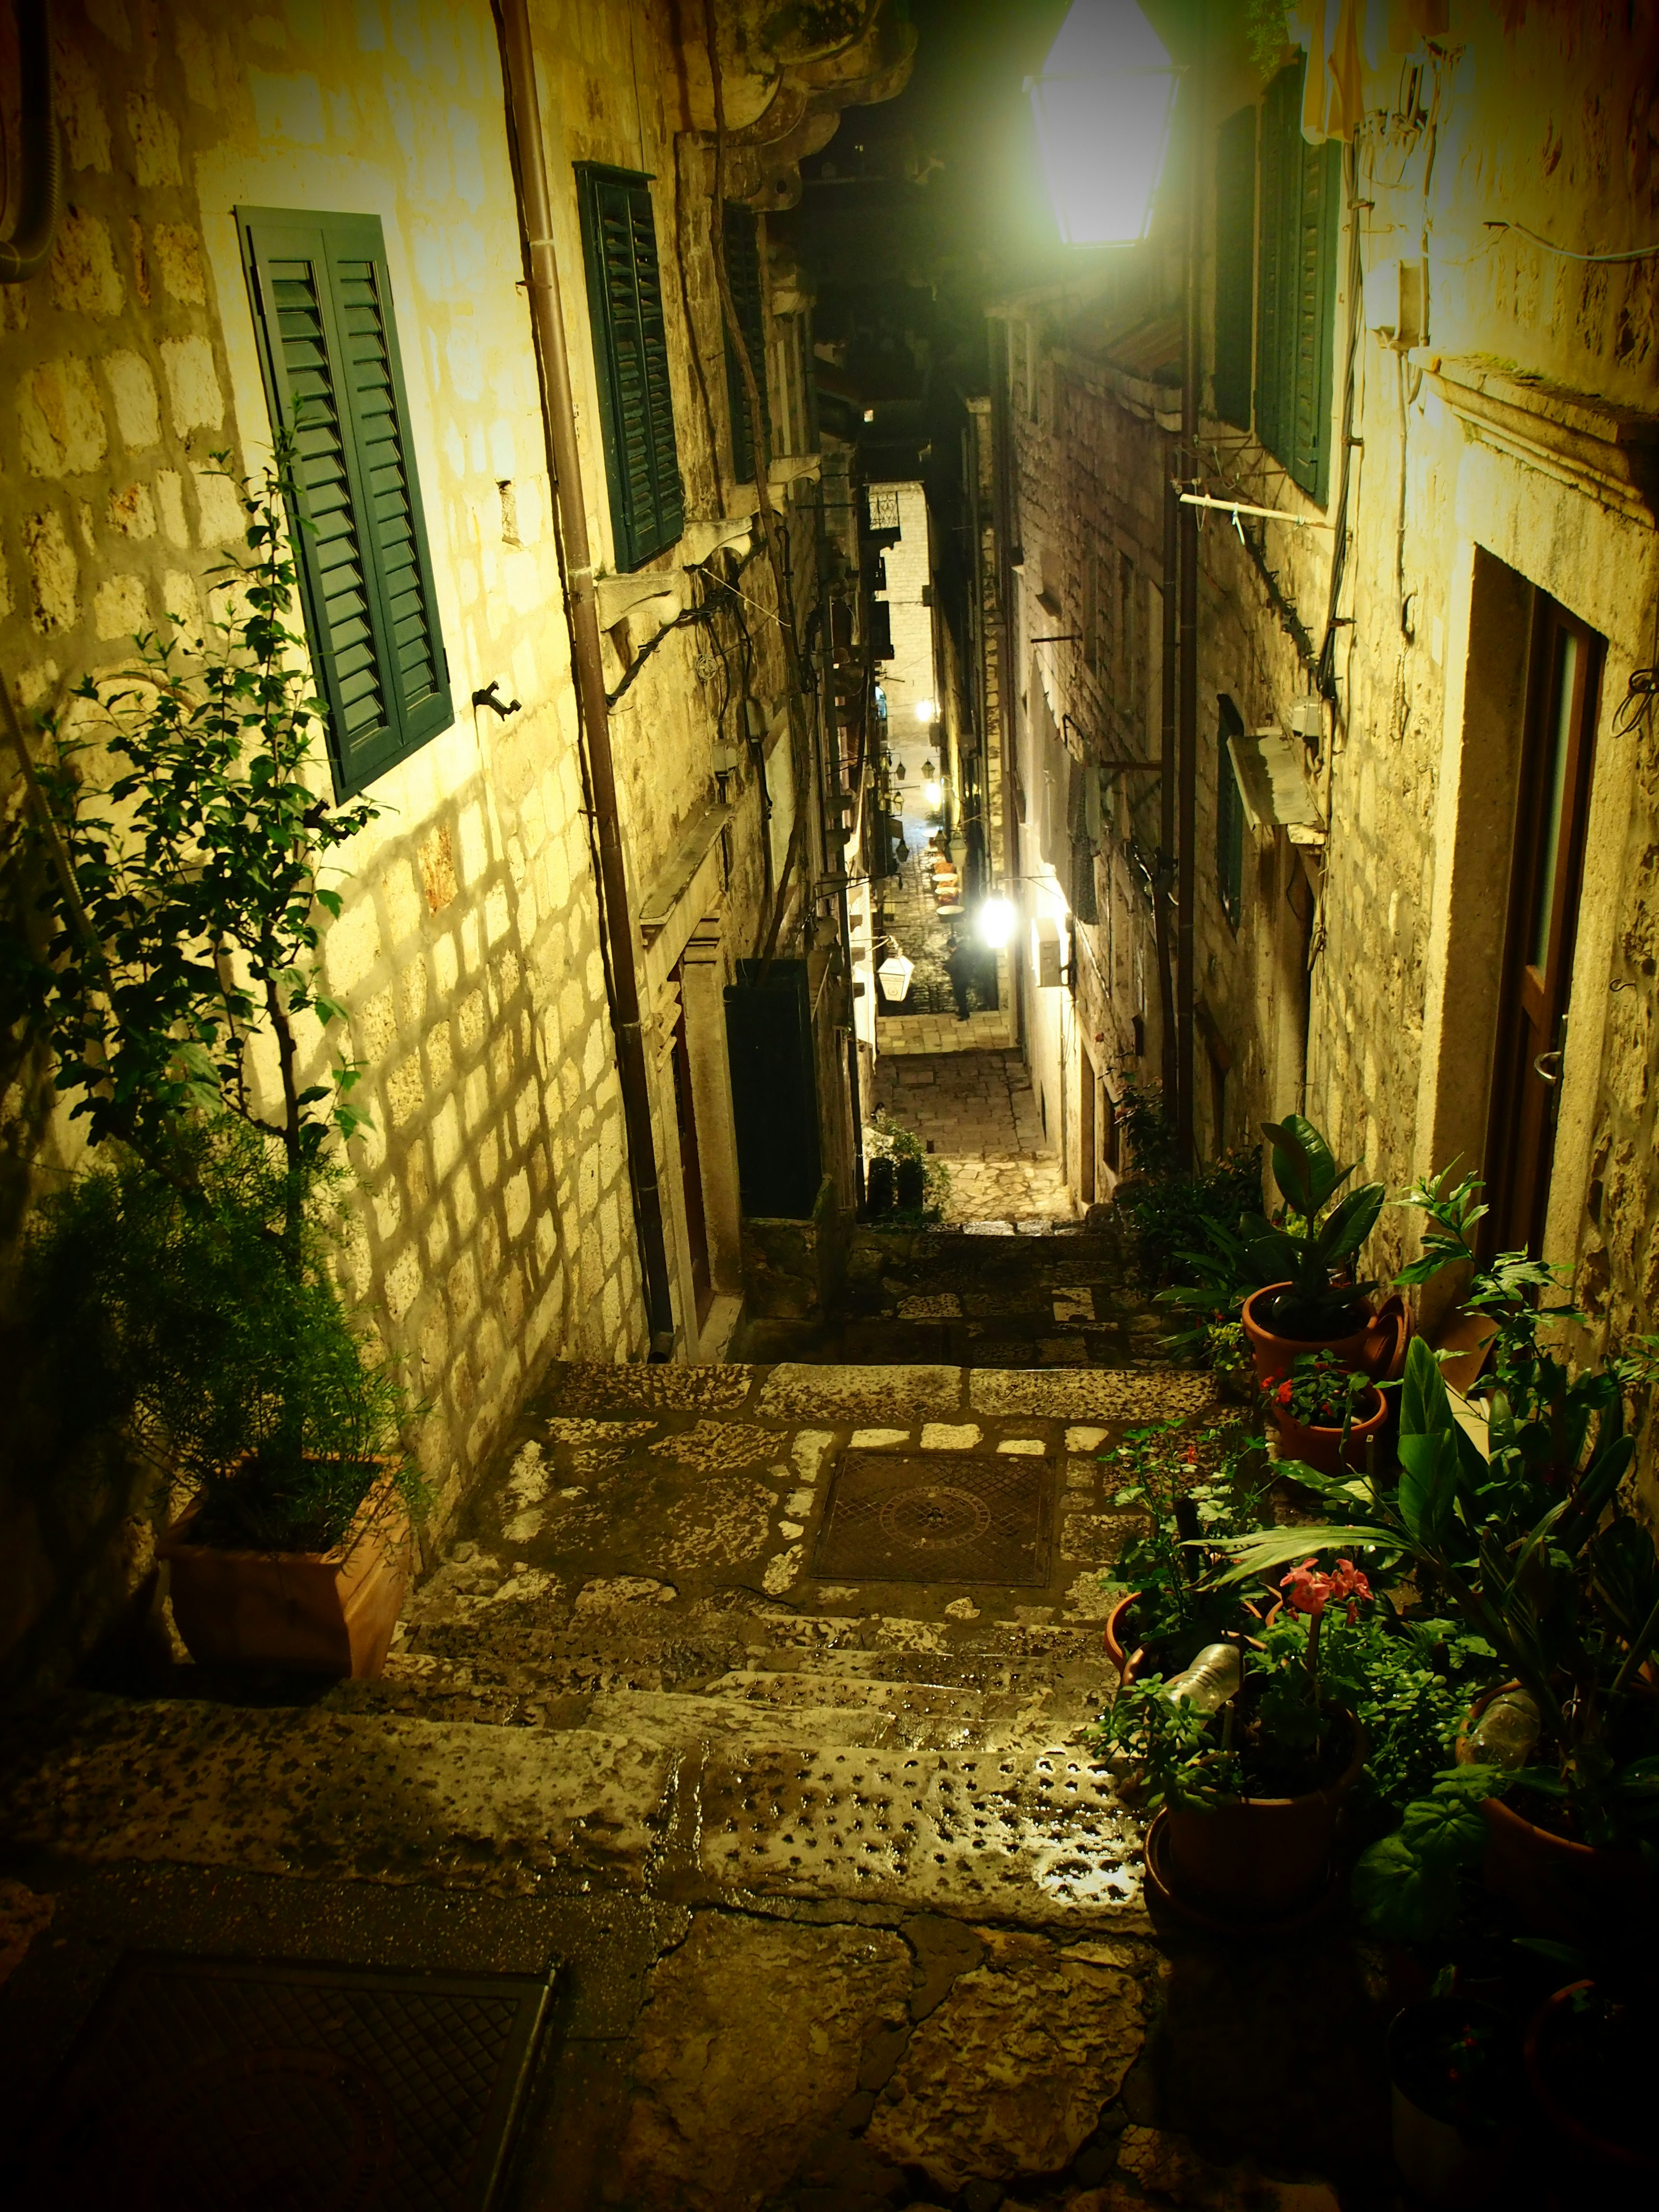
(1325, 1413)
(1170, 1609)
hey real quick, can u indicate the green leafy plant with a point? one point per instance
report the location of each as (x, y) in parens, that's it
(180, 840)
(1568, 1601)
(1176, 1219)
(1149, 1126)
(901, 1163)
(184, 844)
(175, 1306)
(1320, 1392)
(1318, 1239)
(1177, 1610)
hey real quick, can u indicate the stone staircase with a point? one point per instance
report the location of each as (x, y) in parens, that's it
(627, 1697)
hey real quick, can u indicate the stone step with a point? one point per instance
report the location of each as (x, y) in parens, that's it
(802, 1707)
(1027, 1832)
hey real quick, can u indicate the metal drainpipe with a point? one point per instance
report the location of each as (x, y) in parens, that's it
(1186, 825)
(558, 412)
(1169, 657)
(42, 166)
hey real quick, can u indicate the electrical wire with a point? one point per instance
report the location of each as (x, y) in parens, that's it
(1569, 253)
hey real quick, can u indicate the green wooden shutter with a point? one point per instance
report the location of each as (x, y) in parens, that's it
(742, 271)
(1301, 195)
(1235, 266)
(328, 344)
(630, 353)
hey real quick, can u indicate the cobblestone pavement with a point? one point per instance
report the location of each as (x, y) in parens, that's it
(848, 1914)
(977, 1112)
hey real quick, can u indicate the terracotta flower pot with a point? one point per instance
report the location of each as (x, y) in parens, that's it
(322, 1613)
(1113, 1637)
(1321, 1447)
(1260, 1858)
(1550, 1879)
(1599, 2171)
(1275, 1355)
(1449, 2159)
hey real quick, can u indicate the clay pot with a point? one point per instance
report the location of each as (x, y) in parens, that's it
(1597, 2171)
(1550, 1880)
(1275, 1355)
(1447, 2161)
(1262, 1858)
(320, 1612)
(1124, 1660)
(1322, 1448)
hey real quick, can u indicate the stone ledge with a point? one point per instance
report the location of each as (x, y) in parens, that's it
(1609, 452)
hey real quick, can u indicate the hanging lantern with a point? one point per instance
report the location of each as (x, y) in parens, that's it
(894, 975)
(1101, 106)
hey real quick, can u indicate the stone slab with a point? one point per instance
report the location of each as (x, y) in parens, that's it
(331, 1794)
(1090, 1394)
(1033, 1836)
(576, 1386)
(797, 1391)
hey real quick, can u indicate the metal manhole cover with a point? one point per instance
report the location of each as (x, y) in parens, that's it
(222, 2085)
(904, 1517)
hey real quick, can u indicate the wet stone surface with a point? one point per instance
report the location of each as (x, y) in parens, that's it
(848, 1915)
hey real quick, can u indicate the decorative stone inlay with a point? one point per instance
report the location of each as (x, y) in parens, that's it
(795, 1391)
(1100, 1393)
(950, 1435)
(1031, 1836)
(715, 1446)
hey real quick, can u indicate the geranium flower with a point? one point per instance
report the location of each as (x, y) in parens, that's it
(1306, 1590)
(1348, 1582)
(1283, 1393)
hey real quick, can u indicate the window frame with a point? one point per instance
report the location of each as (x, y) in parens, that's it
(745, 272)
(324, 239)
(635, 540)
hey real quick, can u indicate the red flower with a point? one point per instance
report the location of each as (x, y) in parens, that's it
(1305, 1591)
(1283, 1393)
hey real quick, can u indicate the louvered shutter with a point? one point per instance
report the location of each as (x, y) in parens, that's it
(1235, 266)
(631, 353)
(1301, 194)
(328, 342)
(742, 271)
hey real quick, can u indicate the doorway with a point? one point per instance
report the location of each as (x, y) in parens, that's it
(696, 1219)
(1564, 678)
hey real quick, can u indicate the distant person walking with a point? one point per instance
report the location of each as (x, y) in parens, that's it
(960, 967)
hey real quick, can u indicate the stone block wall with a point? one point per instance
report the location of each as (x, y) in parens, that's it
(494, 1229)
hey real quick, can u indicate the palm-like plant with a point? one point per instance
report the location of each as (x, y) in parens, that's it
(1319, 1237)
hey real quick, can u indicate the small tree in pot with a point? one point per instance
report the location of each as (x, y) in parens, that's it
(181, 841)
(1307, 1258)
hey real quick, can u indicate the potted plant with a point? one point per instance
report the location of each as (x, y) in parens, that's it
(1310, 1300)
(905, 1187)
(1536, 1549)
(1170, 1610)
(1454, 2079)
(1592, 2052)
(1247, 1762)
(182, 845)
(1326, 1413)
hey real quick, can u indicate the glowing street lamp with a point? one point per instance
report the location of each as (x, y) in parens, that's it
(996, 921)
(933, 792)
(926, 710)
(895, 973)
(1102, 107)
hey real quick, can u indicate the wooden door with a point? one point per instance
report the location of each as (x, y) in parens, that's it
(1558, 755)
(696, 1220)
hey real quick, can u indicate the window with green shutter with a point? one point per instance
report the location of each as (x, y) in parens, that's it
(1234, 266)
(1296, 288)
(742, 273)
(328, 345)
(631, 353)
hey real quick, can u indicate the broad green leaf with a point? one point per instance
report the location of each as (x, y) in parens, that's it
(1425, 1407)
(1445, 1833)
(1428, 1485)
(1352, 1223)
(1399, 1896)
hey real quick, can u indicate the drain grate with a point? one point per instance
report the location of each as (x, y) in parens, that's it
(936, 1517)
(224, 2085)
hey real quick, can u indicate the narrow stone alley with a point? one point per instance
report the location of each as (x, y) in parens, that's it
(758, 1700)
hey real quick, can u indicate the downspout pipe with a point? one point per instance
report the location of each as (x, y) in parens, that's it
(558, 411)
(1168, 724)
(1186, 687)
(24, 254)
